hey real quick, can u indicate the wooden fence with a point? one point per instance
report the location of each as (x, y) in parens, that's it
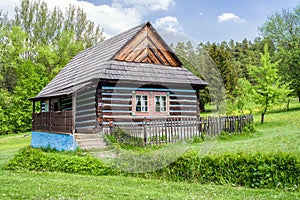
(170, 130)
(58, 122)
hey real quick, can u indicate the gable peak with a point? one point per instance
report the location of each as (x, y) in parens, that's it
(147, 46)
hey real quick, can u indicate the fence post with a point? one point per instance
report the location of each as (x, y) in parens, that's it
(145, 131)
(110, 127)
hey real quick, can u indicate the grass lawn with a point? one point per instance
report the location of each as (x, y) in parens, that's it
(281, 132)
(33, 185)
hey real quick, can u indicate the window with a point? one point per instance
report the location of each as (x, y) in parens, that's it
(56, 105)
(141, 102)
(160, 103)
(150, 103)
(45, 105)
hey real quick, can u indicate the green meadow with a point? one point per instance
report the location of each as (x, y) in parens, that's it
(280, 133)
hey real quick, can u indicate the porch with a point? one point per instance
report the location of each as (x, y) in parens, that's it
(53, 122)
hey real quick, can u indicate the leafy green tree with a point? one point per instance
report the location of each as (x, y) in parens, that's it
(267, 87)
(55, 37)
(283, 28)
(6, 106)
(32, 77)
(34, 47)
(242, 95)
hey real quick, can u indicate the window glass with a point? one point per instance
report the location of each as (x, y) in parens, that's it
(160, 104)
(45, 106)
(141, 103)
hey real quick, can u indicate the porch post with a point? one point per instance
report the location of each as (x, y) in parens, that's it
(50, 114)
(33, 106)
(198, 118)
(73, 112)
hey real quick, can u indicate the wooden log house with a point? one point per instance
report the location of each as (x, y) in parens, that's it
(131, 76)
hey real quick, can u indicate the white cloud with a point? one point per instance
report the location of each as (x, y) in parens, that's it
(168, 23)
(224, 17)
(152, 5)
(113, 18)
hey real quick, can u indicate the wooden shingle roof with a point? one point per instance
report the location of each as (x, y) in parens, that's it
(138, 54)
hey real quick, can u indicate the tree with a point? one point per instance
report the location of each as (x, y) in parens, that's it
(200, 63)
(283, 28)
(215, 91)
(221, 55)
(34, 47)
(32, 77)
(242, 95)
(267, 87)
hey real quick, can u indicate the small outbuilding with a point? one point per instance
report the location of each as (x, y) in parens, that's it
(131, 76)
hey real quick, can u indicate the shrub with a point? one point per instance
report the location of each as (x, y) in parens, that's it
(250, 128)
(120, 136)
(197, 139)
(224, 135)
(260, 170)
(255, 171)
(39, 160)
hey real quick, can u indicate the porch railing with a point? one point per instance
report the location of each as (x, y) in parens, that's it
(58, 122)
(169, 130)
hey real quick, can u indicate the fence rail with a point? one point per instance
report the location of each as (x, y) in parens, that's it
(170, 130)
(58, 122)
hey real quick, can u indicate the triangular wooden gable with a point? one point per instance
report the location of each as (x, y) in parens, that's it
(148, 47)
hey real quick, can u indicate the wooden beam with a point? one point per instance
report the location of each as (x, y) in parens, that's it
(73, 112)
(159, 44)
(33, 106)
(147, 46)
(123, 53)
(141, 56)
(140, 48)
(152, 56)
(158, 53)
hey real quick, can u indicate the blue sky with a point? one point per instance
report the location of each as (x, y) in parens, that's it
(198, 20)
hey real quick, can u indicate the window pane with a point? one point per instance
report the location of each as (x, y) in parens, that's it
(160, 103)
(138, 103)
(144, 103)
(157, 104)
(141, 103)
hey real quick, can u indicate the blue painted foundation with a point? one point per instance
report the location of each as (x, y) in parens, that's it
(61, 142)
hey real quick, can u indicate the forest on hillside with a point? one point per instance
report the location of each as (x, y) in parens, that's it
(38, 42)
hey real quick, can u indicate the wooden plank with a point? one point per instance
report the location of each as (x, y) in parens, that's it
(86, 124)
(153, 57)
(145, 38)
(140, 51)
(164, 51)
(158, 53)
(85, 118)
(133, 43)
(116, 95)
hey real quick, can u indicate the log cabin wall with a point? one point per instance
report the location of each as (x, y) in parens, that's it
(183, 102)
(117, 103)
(85, 117)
